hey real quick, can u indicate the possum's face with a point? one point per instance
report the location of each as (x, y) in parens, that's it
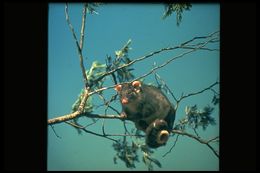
(129, 92)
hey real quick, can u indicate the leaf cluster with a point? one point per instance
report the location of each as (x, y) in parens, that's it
(128, 153)
(96, 70)
(91, 7)
(178, 8)
(121, 58)
(198, 117)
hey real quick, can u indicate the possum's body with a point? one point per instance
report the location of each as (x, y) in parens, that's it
(143, 104)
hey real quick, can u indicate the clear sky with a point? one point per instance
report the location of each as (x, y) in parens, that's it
(105, 33)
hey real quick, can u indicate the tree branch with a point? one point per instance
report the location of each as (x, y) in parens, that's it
(170, 60)
(155, 68)
(159, 51)
(83, 23)
(166, 86)
(79, 47)
(172, 146)
(199, 92)
(71, 116)
(87, 131)
(101, 135)
(198, 139)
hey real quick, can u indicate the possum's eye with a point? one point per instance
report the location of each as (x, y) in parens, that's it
(118, 88)
(136, 84)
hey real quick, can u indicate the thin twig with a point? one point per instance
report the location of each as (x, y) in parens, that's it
(201, 37)
(195, 131)
(198, 139)
(79, 48)
(157, 76)
(87, 131)
(199, 92)
(83, 23)
(152, 70)
(170, 60)
(91, 123)
(172, 146)
(126, 131)
(214, 91)
(154, 53)
(55, 132)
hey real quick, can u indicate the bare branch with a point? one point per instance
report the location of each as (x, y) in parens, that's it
(172, 146)
(187, 47)
(79, 48)
(170, 60)
(101, 135)
(83, 23)
(55, 132)
(199, 92)
(195, 131)
(198, 139)
(157, 76)
(159, 51)
(201, 37)
(91, 123)
(155, 68)
(87, 131)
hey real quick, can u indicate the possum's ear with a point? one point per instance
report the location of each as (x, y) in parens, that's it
(118, 88)
(136, 84)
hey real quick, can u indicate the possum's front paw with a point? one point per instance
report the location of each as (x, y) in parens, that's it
(123, 115)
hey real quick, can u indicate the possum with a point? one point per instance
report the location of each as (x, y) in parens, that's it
(149, 109)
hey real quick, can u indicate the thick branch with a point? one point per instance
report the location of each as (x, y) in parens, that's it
(72, 115)
(198, 139)
(77, 114)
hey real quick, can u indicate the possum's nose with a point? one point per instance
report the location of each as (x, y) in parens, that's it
(124, 100)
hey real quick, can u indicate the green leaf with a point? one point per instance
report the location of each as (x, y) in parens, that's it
(177, 8)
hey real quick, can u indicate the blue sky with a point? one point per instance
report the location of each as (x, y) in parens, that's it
(105, 33)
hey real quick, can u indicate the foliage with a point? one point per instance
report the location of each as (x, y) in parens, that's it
(96, 70)
(215, 99)
(91, 7)
(196, 117)
(124, 74)
(88, 106)
(178, 8)
(129, 153)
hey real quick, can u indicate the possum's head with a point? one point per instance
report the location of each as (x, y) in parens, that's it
(128, 92)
